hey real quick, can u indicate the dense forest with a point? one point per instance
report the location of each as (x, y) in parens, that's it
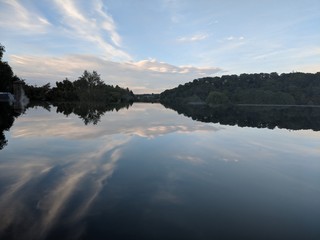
(263, 88)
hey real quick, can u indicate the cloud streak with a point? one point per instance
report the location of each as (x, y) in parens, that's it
(92, 27)
(24, 20)
(232, 38)
(193, 38)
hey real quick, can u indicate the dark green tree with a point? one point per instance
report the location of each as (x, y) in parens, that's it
(217, 98)
(257, 88)
(2, 50)
(6, 74)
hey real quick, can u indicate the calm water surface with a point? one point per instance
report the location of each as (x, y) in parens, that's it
(147, 172)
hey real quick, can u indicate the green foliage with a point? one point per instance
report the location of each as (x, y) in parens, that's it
(6, 74)
(217, 98)
(2, 50)
(262, 88)
(89, 88)
(37, 93)
(6, 77)
(90, 80)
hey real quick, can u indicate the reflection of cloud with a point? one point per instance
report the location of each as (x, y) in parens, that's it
(167, 192)
(162, 130)
(78, 173)
(60, 182)
(134, 121)
(190, 159)
(11, 200)
(230, 160)
(166, 196)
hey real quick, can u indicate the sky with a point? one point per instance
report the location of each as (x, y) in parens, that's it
(153, 45)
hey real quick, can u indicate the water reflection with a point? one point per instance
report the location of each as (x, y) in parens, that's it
(148, 173)
(7, 117)
(42, 195)
(89, 112)
(294, 118)
(134, 122)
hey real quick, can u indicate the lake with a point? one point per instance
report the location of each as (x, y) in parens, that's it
(146, 172)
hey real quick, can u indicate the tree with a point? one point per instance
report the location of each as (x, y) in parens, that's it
(91, 79)
(2, 50)
(262, 88)
(217, 98)
(6, 74)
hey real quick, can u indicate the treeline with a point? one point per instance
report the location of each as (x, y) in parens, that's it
(263, 88)
(88, 87)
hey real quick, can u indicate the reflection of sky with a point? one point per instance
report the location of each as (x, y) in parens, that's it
(135, 121)
(56, 170)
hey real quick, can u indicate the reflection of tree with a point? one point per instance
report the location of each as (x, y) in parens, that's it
(294, 118)
(3, 140)
(7, 116)
(43, 104)
(88, 112)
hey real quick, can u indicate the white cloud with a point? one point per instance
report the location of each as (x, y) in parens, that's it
(15, 15)
(232, 38)
(91, 26)
(108, 24)
(142, 76)
(70, 10)
(162, 67)
(193, 38)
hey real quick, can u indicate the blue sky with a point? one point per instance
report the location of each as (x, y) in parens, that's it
(152, 45)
